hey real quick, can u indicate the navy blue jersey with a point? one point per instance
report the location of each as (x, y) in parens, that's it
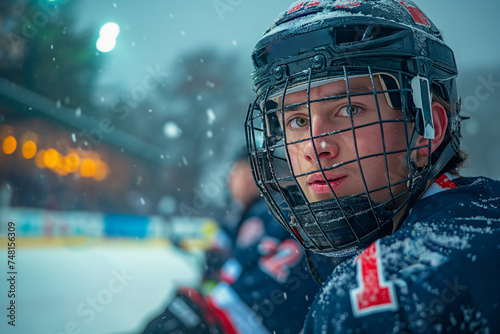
(266, 286)
(438, 274)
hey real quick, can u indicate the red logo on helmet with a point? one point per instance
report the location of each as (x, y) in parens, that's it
(346, 4)
(416, 13)
(302, 4)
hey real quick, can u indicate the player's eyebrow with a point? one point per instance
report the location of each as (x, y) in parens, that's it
(327, 96)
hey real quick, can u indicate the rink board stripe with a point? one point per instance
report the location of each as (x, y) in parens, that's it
(22, 242)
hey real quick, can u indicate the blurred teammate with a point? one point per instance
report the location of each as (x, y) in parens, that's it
(243, 194)
(355, 143)
(264, 287)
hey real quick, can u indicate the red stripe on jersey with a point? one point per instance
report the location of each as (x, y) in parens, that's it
(445, 182)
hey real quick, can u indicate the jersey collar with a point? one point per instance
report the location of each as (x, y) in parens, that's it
(444, 182)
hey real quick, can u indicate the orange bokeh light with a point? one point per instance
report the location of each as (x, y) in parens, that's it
(29, 149)
(39, 159)
(63, 164)
(51, 158)
(72, 162)
(87, 168)
(9, 145)
(101, 171)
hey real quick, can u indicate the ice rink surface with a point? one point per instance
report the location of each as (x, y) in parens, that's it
(98, 285)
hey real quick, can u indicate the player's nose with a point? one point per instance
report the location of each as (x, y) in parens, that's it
(322, 144)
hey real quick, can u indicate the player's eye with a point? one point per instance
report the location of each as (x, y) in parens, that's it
(347, 111)
(298, 122)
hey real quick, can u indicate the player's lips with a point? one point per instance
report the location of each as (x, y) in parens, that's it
(319, 184)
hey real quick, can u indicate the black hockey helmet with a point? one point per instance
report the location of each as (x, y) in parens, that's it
(316, 42)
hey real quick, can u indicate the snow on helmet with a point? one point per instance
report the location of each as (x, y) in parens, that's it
(318, 42)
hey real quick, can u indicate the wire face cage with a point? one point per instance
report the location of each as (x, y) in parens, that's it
(332, 154)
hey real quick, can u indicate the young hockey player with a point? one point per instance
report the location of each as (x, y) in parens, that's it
(354, 140)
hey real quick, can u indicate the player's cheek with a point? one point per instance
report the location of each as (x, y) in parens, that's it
(295, 157)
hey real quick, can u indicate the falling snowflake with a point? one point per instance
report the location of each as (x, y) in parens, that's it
(211, 116)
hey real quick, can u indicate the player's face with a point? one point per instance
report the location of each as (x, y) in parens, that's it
(336, 144)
